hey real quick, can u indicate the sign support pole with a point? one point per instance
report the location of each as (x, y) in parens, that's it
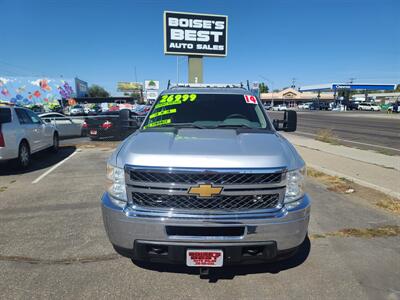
(195, 67)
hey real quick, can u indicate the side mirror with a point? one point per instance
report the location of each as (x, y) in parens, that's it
(47, 120)
(126, 120)
(289, 122)
(124, 115)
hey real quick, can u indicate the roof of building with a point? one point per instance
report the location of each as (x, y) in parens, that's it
(292, 94)
(352, 86)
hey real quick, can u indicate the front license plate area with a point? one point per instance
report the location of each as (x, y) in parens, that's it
(204, 258)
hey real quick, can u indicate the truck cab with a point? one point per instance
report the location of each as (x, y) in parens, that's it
(207, 181)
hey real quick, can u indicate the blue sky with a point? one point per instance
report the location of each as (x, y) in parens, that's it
(314, 41)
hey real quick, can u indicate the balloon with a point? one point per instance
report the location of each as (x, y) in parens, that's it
(5, 92)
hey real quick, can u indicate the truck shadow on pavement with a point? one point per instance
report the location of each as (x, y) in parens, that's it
(229, 272)
(40, 160)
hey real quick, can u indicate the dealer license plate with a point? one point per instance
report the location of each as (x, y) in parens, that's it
(204, 258)
(94, 132)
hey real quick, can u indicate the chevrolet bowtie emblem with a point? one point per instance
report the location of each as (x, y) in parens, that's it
(205, 190)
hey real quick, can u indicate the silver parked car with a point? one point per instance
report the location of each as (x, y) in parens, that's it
(77, 110)
(65, 126)
(23, 133)
(207, 181)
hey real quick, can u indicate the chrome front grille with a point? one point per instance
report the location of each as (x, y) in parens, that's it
(242, 189)
(222, 202)
(216, 178)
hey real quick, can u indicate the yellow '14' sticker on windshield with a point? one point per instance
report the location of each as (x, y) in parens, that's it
(163, 112)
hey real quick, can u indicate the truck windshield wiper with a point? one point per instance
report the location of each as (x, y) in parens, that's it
(233, 126)
(184, 125)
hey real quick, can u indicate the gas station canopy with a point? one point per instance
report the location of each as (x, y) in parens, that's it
(348, 86)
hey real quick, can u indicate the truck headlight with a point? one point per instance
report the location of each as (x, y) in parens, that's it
(116, 185)
(295, 185)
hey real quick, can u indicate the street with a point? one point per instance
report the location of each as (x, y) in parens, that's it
(364, 130)
(53, 244)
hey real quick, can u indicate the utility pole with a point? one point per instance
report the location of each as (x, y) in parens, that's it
(293, 83)
(271, 87)
(135, 75)
(195, 69)
(177, 69)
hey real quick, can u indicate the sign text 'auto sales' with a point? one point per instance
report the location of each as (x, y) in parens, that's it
(195, 34)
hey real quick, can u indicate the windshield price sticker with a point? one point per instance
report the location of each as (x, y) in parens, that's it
(175, 99)
(250, 99)
(163, 112)
(158, 123)
(178, 97)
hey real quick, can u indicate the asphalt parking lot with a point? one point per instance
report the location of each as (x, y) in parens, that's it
(53, 244)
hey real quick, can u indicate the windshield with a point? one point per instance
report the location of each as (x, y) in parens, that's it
(207, 110)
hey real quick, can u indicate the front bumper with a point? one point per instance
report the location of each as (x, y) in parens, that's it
(285, 229)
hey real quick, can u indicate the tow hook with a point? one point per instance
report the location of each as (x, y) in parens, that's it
(204, 272)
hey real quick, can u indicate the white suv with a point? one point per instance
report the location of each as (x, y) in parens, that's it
(369, 106)
(22, 133)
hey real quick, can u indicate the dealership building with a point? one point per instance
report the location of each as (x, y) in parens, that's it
(292, 97)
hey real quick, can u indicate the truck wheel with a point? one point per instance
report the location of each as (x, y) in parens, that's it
(24, 155)
(56, 143)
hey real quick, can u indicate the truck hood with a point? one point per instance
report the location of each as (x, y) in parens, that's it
(207, 148)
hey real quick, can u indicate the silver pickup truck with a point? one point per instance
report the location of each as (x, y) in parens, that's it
(207, 181)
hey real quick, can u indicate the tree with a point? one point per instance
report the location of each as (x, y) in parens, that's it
(97, 91)
(264, 88)
(397, 88)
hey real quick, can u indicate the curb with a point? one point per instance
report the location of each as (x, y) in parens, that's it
(356, 180)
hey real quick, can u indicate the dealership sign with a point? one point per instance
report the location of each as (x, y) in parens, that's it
(195, 34)
(151, 95)
(81, 87)
(151, 84)
(129, 87)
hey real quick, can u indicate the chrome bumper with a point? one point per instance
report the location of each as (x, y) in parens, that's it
(287, 227)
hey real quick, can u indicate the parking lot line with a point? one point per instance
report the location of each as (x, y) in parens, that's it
(348, 141)
(53, 168)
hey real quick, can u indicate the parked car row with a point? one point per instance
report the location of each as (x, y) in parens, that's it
(23, 132)
(80, 110)
(322, 105)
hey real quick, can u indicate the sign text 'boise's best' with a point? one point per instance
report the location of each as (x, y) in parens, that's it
(195, 34)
